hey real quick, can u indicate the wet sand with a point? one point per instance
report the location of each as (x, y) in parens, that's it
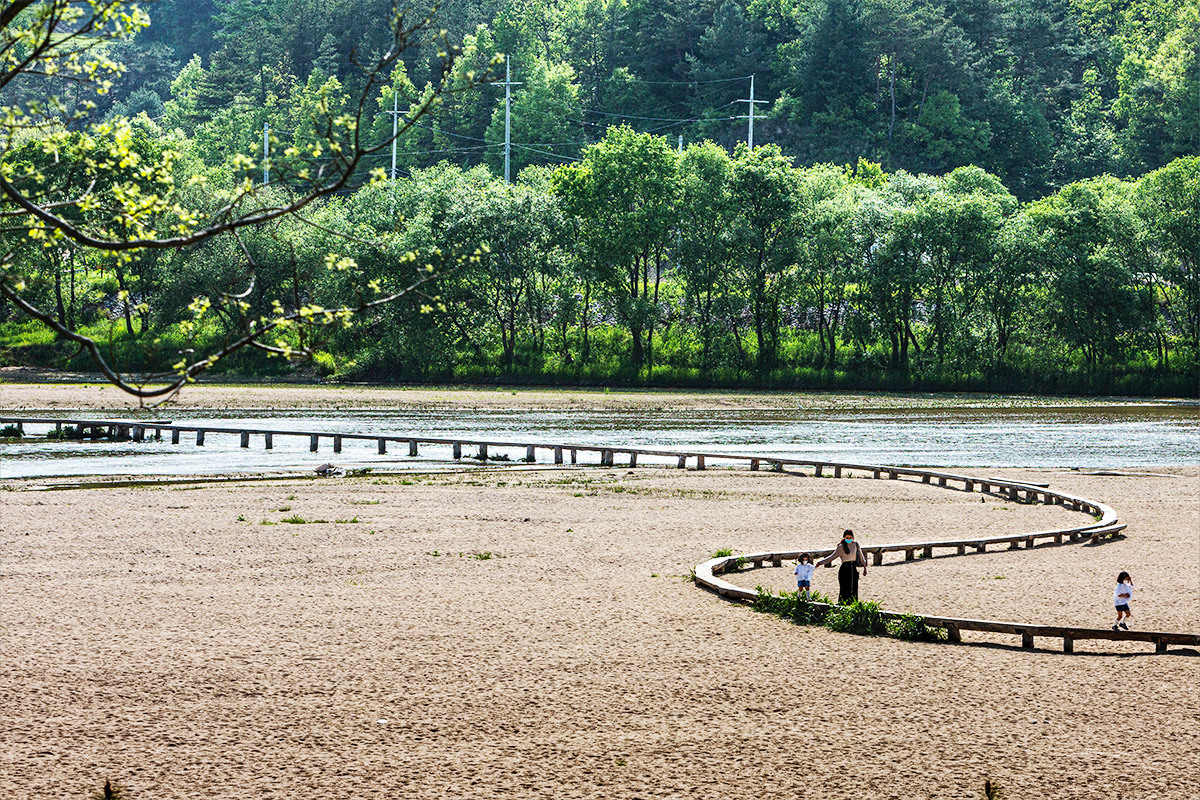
(531, 634)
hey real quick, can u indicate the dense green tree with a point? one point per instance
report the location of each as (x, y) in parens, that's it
(623, 196)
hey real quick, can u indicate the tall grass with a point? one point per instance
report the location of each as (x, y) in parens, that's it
(861, 617)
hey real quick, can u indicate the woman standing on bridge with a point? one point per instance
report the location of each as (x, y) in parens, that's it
(851, 555)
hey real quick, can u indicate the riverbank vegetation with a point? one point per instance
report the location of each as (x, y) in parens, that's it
(934, 208)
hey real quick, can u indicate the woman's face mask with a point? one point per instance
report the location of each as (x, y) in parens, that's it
(848, 542)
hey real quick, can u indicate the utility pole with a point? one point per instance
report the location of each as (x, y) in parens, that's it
(750, 116)
(266, 155)
(508, 84)
(395, 112)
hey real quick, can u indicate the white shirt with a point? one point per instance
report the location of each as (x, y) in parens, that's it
(1122, 588)
(803, 572)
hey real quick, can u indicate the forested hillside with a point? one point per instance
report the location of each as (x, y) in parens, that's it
(1040, 93)
(966, 194)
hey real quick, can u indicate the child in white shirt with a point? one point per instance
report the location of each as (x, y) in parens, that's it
(803, 573)
(1121, 597)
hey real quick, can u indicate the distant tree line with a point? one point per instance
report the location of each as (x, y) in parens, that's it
(1040, 93)
(641, 263)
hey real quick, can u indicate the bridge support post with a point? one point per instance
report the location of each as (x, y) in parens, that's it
(928, 552)
(382, 446)
(574, 455)
(970, 486)
(980, 547)
(875, 474)
(682, 463)
(909, 554)
(558, 455)
(175, 436)
(754, 465)
(483, 452)
(412, 448)
(817, 474)
(699, 462)
(893, 475)
(268, 441)
(245, 439)
(877, 558)
(530, 454)
(633, 459)
(837, 472)
(1027, 640)
(962, 549)
(313, 442)
(200, 438)
(1068, 644)
(1029, 543)
(1160, 646)
(953, 634)
(1014, 545)
(456, 450)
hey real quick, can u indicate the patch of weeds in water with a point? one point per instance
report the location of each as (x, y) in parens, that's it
(365, 502)
(359, 472)
(283, 509)
(290, 497)
(296, 519)
(241, 518)
(653, 574)
(486, 555)
(66, 432)
(381, 482)
(350, 521)
(11, 432)
(268, 522)
(724, 553)
(435, 553)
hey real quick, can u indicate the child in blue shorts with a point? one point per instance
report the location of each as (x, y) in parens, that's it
(1121, 597)
(803, 573)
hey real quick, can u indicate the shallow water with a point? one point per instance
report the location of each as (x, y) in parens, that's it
(1090, 437)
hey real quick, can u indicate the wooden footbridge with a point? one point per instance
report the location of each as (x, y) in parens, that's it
(1104, 522)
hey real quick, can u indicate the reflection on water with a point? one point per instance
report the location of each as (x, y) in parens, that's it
(1090, 437)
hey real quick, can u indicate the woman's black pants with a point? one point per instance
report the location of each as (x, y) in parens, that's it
(847, 582)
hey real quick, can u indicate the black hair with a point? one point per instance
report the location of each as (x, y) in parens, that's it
(1124, 576)
(803, 557)
(848, 533)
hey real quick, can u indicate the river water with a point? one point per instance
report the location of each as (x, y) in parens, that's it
(1089, 436)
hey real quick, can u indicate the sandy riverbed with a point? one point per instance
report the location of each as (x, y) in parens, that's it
(531, 635)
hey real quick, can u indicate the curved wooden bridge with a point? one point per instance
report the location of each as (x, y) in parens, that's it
(1104, 522)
